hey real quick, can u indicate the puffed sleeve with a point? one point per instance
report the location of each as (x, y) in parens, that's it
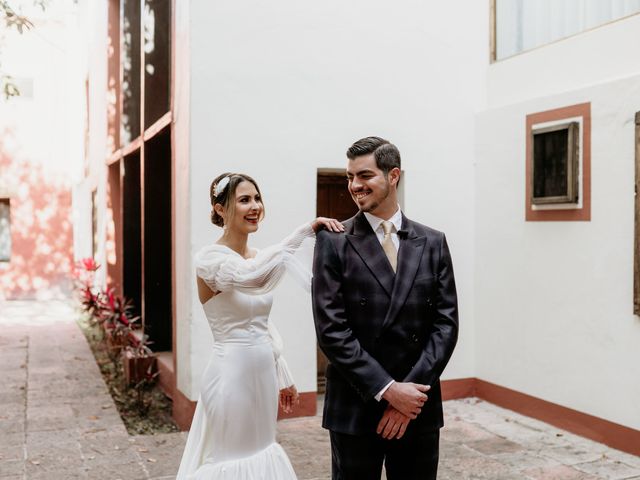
(223, 270)
(285, 379)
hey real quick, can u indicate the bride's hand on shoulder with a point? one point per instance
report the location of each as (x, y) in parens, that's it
(288, 398)
(330, 224)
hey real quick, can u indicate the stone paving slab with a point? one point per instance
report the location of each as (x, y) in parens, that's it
(58, 422)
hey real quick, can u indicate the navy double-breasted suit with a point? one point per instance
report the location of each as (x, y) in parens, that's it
(375, 325)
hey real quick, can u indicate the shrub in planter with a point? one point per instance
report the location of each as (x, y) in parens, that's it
(84, 276)
(138, 360)
(121, 337)
(141, 370)
(116, 316)
(137, 368)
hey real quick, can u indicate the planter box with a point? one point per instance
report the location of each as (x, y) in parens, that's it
(108, 333)
(135, 368)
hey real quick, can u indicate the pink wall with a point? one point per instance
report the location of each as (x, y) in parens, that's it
(41, 229)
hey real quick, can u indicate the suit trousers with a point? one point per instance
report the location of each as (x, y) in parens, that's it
(360, 457)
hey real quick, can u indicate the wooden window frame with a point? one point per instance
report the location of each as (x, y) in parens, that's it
(493, 53)
(139, 145)
(573, 146)
(560, 212)
(163, 123)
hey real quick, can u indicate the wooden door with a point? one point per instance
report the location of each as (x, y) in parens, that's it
(333, 201)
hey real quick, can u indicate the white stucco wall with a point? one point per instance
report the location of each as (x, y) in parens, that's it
(554, 300)
(280, 90)
(45, 124)
(602, 54)
(185, 293)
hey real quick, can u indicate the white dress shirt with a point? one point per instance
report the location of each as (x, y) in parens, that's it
(376, 226)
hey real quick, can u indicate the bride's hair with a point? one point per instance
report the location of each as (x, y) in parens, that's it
(223, 192)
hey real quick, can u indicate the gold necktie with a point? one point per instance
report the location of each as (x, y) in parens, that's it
(388, 245)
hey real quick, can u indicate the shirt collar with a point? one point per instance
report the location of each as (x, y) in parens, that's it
(375, 222)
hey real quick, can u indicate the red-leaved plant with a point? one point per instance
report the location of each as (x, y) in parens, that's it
(114, 315)
(84, 276)
(118, 321)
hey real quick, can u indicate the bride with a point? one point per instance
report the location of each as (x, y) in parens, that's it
(233, 431)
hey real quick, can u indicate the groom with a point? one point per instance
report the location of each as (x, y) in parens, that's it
(385, 309)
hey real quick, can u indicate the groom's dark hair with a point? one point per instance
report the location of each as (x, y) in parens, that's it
(386, 153)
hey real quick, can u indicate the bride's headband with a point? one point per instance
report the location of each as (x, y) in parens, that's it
(221, 185)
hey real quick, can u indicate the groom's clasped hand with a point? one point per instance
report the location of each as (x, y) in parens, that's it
(405, 404)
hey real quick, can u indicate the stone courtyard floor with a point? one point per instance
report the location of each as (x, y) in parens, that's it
(57, 421)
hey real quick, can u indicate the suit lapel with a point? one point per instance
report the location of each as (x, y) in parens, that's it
(409, 255)
(367, 246)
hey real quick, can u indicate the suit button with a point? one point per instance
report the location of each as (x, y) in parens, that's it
(415, 338)
(363, 301)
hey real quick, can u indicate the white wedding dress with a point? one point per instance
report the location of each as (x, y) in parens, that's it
(233, 433)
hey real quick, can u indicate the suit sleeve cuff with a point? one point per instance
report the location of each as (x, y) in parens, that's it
(378, 397)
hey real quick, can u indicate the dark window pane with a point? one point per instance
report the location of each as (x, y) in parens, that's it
(132, 231)
(130, 128)
(550, 164)
(157, 54)
(5, 230)
(157, 241)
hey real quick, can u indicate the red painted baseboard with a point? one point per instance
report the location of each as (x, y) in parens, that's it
(458, 388)
(595, 428)
(166, 376)
(183, 410)
(306, 408)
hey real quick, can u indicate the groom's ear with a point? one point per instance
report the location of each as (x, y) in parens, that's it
(394, 176)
